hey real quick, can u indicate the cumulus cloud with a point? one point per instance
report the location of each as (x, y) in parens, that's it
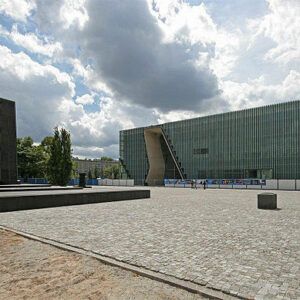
(85, 99)
(126, 45)
(59, 16)
(184, 23)
(32, 42)
(258, 92)
(96, 152)
(113, 65)
(37, 89)
(89, 76)
(17, 9)
(213, 47)
(102, 127)
(43, 96)
(282, 25)
(74, 12)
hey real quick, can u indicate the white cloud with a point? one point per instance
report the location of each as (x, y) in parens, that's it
(17, 9)
(101, 128)
(193, 26)
(227, 51)
(73, 12)
(43, 96)
(257, 92)
(37, 89)
(89, 76)
(146, 65)
(23, 67)
(96, 152)
(85, 99)
(184, 23)
(32, 42)
(282, 25)
(61, 16)
(132, 59)
(175, 116)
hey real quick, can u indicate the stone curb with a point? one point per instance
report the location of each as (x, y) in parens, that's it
(170, 280)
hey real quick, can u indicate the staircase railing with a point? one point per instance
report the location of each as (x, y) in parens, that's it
(124, 166)
(172, 154)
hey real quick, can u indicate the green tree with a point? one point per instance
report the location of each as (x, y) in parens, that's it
(31, 159)
(46, 143)
(112, 172)
(67, 164)
(96, 172)
(60, 160)
(74, 169)
(101, 172)
(106, 158)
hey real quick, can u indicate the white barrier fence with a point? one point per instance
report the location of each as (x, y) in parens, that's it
(116, 182)
(256, 184)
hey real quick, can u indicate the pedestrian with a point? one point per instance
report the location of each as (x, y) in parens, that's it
(192, 184)
(195, 184)
(204, 184)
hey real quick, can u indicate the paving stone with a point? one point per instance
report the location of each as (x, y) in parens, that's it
(217, 238)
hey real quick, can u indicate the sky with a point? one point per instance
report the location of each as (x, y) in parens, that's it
(96, 67)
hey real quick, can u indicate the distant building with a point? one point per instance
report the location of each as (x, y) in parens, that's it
(8, 148)
(84, 165)
(260, 143)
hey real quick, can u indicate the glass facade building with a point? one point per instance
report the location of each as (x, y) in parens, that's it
(262, 142)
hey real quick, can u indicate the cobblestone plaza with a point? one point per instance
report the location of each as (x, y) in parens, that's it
(216, 238)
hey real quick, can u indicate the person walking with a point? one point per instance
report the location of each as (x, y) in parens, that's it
(204, 184)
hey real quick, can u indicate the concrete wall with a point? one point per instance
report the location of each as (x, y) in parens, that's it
(298, 184)
(286, 184)
(8, 151)
(271, 184)
(116, 182)
(156, 172)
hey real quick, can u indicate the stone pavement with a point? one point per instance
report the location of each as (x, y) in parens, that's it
(216, 238)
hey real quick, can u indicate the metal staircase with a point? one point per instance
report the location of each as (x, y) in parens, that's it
(124, 167)
(145, 177)
(173, 154)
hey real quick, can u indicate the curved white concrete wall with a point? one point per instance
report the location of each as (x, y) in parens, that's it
(156, 172)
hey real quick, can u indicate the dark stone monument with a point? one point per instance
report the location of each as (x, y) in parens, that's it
(8, 147)
(267, 201)
(82, 179)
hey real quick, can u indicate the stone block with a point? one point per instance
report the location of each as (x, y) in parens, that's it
(31, 200)
(267, 201)
(82, 179)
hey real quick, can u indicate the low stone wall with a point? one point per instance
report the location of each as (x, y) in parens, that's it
(32, 201)
(116, 182)
(270, 184)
